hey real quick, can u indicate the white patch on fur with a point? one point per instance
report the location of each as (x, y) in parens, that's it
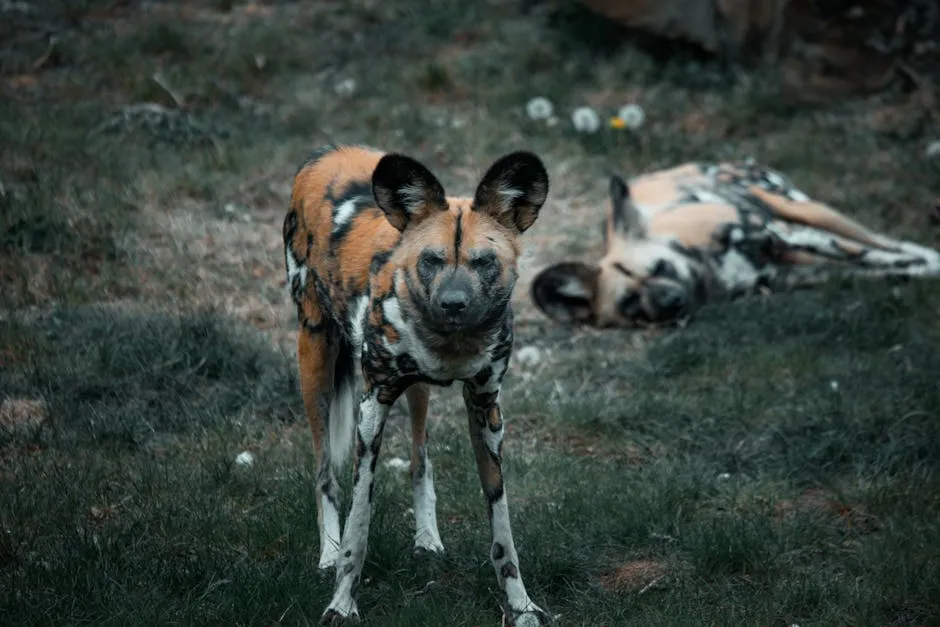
(492, 439)
(357, 321)
(343, 408)
(372, 416)
(329, 534)
(294, 269)
(881, 263)
(343, 213)
(510, 193)
(705, 196)
(573, 288)
(499, 368)
(414, 197)
(429, 363)
(516, 594)
(797, 195)
(427, 535)
(507, 195)
(342, 425)
(735, 271)
(924, 261)
(774, 179)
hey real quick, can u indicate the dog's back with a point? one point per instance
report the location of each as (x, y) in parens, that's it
(334, 233)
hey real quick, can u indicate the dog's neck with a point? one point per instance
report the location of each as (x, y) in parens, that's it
(465, 342)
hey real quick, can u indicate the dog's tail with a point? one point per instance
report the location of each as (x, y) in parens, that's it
(342, 423)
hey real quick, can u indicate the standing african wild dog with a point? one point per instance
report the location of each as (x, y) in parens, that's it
(391, 276)
(698, 233)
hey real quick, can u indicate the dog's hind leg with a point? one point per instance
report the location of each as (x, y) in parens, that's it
(317, 359)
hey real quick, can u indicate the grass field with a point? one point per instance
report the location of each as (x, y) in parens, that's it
(777, 462)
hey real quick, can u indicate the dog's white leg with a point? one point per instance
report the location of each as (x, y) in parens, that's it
(329, 493)
(486, 434)
(427, 536)
(372, 417)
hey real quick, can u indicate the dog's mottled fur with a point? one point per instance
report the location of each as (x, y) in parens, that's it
(698, 233)
(413, 287)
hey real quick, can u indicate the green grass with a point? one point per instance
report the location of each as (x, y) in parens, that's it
(766, 493)
(775, 461)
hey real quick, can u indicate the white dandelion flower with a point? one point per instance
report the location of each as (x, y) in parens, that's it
(933, 149)
(245, 458)
(539, 108)
(585, 120)
(632, 115)
(345, 87)
(528, 356)
(397, 463)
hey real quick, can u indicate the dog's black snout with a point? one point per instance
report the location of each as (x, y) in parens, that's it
(454, 301)
(667, 299)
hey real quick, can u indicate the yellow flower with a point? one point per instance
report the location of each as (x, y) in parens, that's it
(617, 123)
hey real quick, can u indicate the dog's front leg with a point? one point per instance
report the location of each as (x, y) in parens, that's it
(371, 425)
(486, 435)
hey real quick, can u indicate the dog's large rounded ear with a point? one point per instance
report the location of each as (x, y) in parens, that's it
(513, 190)
(624, 219)
(406, 190)
(565, 292)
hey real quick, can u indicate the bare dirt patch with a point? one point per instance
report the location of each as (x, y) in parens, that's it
(636, 576)
(22, 415)
(849, 517)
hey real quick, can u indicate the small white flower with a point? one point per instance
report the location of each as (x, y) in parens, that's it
(632, 115)
(397, 463)
(345, 87)
(539, 108)
(245, 458)
(528, 356)
(834, 385)
(933, 149)
(585, 120)
(724, 476)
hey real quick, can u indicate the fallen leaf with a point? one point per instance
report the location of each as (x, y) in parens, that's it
(23, 80)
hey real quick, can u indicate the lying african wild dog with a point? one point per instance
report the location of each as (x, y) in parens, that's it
(677, 239)
(390, 275)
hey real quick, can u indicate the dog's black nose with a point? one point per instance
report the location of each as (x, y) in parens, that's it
(454, 301)
(667, 299)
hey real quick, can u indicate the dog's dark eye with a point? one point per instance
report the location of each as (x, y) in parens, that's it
(629, 305)
(430, 262)
(664, 269)
(484, 263)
